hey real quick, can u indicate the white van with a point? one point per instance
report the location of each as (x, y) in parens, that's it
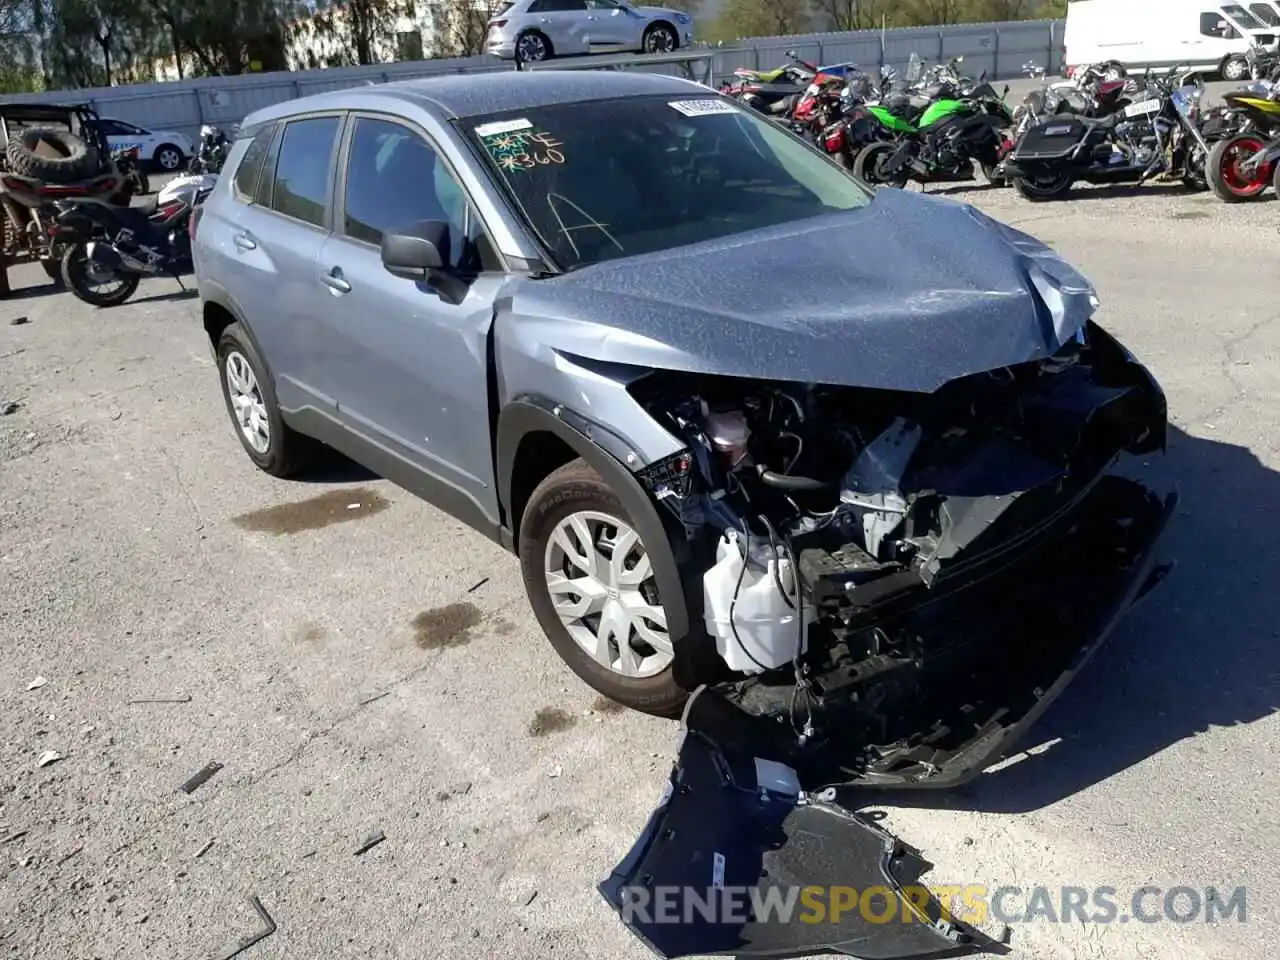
(1168, 33)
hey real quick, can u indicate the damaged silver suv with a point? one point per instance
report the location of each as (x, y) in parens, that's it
(859, 468)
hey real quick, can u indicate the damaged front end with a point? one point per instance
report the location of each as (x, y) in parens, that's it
(894, 586)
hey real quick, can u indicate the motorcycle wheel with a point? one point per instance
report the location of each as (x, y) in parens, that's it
(1043, 188)
(1222, 169)
(870, 163)
(78, 275)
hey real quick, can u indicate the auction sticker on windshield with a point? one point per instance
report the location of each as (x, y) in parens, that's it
(702, 108)
(503, 126)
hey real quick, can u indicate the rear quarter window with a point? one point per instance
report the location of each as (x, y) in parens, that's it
(245, 185)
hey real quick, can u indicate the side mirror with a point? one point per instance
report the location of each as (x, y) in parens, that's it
(417, 252)
(792, 55)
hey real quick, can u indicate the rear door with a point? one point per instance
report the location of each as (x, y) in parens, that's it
(564, 22)
(409, 363)
(609, 27)
(269, 242)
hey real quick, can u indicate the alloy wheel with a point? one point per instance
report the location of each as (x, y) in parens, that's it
(169, 159)
(660, 40)
(531, 48)
(602, 588)
(247, 403)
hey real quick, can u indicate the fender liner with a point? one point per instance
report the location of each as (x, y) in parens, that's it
(527, 415)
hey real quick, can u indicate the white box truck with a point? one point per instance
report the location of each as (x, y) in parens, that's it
(1162, 34)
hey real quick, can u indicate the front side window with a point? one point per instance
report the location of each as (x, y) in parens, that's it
(395, 179)
(611, 178)
(1213, 24)
(301, 188)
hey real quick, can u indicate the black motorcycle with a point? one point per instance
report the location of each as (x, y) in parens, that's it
(110, 249)
(1155, 135)
(129, 164)
(211, 151)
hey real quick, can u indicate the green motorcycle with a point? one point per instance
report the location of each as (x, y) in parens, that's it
(951, 133)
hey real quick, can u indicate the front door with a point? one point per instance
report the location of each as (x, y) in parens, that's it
(610, 27)
(410, 365)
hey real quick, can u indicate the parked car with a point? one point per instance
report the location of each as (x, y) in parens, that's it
(532, 30)
(167, 150)
(861, 468)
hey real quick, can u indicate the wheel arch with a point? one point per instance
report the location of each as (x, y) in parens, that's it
(219, 311)
(532, 441)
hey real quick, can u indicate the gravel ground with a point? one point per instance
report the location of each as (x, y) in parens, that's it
(143, 558)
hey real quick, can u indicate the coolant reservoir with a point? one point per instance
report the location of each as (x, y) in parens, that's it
(768, 629)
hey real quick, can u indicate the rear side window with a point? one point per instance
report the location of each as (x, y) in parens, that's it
(246, 182)
(301, 183)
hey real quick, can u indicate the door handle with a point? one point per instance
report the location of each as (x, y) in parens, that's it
(244, 241)
(333, 280)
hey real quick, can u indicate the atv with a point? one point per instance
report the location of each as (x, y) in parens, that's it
(51, 152)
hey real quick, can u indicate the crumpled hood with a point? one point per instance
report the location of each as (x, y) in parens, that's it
(906, 293)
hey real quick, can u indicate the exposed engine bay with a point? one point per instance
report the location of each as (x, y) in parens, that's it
(893, 569)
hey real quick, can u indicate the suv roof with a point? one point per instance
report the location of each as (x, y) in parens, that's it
(472, 94)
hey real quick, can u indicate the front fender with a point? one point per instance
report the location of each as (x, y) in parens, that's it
(524, 416)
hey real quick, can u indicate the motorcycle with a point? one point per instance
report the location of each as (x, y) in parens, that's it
(1242, 162)
(964, 122)
(211, 152)
(129, 164)
(1155, 135)
(116, 247)
(775, 93)
(1095, 92)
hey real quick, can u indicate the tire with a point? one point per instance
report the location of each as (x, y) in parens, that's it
(533, 46)
(868, 166)
(577, 490)
(1235, 68)
(660, 38)
(77, 160)
(286, 453)
(1222, 172)
(167, 157)
(1040, 191)
(75, 277)
(993, 178)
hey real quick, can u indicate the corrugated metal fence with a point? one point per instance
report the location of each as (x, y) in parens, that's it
(1000, 49)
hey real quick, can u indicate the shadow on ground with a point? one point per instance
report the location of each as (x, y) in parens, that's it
(1203, 650)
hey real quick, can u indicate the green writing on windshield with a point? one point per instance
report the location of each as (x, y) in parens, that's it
(524, 150)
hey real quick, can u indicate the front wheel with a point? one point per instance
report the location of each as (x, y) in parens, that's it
(660, 39)
(1235, 69)
(871, 166)
(93, 283)
(591, 584)
(1049, 186)
(1228, 181)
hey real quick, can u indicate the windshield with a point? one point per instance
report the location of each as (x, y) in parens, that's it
(1241, 16)
(1266, 13)
(613, 178)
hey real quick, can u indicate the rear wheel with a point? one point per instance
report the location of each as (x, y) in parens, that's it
(870, 166)
(533, 47)
(93, 283)
(1228, 181)
(1047, 186)
(1235, 68)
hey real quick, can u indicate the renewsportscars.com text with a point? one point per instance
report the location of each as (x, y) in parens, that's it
(972, 904)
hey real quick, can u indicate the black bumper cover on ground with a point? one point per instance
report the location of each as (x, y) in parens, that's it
(717, 825)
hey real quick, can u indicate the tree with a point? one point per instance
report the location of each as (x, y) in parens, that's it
(458, 27)
(351, 33)
(852, 14)
(767, 18)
